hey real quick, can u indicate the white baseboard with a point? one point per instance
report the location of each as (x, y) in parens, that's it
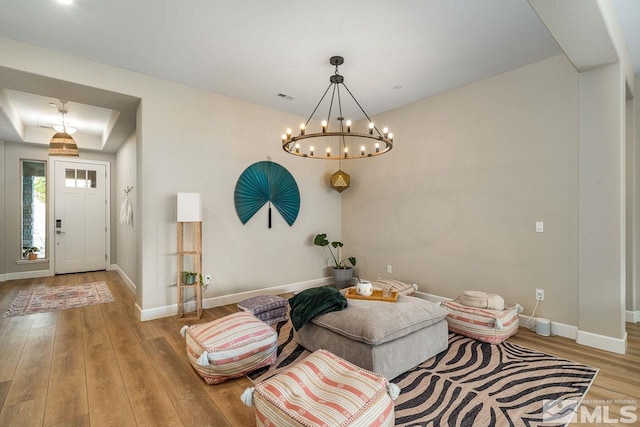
(3, 277)
(601, 342)
(631, 316)
(614, 345)
(28, 274)
(430, 297)
(124, 277)
(172, 310)
(557, 328)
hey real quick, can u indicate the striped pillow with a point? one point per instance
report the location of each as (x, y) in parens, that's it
(324, 390)
(482, 324)
(396, 285)
(230, 347)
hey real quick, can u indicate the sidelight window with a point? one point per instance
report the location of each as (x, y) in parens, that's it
(34, 208)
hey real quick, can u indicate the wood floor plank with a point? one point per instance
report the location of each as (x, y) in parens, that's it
(185, 391)
(67, 398)
(31, 378)
(107, 395)
(227, 395)
(149, 400)
(108, 400)
(13, 339)
(23, 414)
(81, 421)
(93, 327)
(4, 390)
(170, 330)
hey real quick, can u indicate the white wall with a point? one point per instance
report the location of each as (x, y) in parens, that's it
(194, 141)
(125, 176)
(453, 206)
(11, 243)
(636, 238)
(203, 145)
(601, 185)
(3, 268)
(630, 195)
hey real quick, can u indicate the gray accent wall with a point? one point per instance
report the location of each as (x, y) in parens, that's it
(453, 206)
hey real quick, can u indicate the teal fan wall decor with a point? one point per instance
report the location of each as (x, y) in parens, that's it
(267, 182)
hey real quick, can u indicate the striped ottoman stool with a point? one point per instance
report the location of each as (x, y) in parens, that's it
(230, 347)
(482, 324)
(323, 390)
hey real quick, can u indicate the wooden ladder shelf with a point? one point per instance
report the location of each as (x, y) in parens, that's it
(191, 257)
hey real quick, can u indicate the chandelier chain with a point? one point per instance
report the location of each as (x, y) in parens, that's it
(318, 105)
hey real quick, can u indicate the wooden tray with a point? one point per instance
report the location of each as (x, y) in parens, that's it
(375, 296)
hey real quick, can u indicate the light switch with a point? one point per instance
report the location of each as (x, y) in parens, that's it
(539, 227)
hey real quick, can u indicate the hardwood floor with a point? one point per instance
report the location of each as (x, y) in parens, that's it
(100, 366)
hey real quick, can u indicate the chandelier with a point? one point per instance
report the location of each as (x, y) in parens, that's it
(62, 144)
(341, 141)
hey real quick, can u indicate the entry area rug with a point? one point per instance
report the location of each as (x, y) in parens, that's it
(54, 298)
(474, 384)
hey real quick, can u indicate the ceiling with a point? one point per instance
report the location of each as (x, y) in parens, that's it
(395, 52)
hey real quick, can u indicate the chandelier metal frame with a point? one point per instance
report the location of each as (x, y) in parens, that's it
(292, 144)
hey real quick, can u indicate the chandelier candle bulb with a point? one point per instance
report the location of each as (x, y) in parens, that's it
(362, 150)
(288, 134)
(385, 132)
(297, 148)
(348, 125)
(371, 128)
(311, 150)
(328, 151)
(390, 137)
(377, 147)
(284, 138)
(324, 126)
(302, 129)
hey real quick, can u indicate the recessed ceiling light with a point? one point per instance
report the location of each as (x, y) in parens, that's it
(65, 1)
(397, 87)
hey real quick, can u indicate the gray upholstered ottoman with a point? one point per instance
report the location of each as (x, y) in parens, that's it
(383, 337)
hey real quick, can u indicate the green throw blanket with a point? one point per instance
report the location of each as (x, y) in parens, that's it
(312, 302)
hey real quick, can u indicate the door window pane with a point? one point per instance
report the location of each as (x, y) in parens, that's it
(70, 178)
(34, 208)
(81, 175)
(91, 179)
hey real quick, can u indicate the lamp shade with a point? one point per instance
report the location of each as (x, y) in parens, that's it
(62, 144)
(340, 181)
(189, 207)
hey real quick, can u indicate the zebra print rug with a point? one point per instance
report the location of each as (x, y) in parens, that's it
(472, 384)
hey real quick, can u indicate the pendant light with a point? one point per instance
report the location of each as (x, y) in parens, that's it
(62, 144)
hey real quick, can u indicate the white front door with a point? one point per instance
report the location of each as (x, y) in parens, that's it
(80, 217)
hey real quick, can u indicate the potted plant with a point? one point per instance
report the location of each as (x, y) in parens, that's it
(30, 252)
(342, 272)
(189, 277)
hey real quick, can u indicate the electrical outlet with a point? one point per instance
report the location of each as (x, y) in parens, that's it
(207, 279)
(389, 269)
(539, 294)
